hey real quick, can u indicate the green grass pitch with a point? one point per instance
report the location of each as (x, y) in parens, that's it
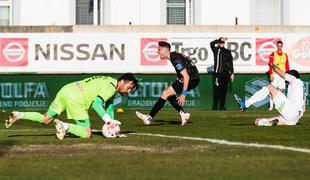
(31, 151)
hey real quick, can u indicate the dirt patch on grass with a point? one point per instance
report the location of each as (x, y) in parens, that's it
(92, 148)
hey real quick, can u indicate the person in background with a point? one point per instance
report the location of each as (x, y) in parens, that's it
(280, 59)
(223, 72)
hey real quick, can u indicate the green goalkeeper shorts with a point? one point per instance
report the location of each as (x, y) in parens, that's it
(84, 123)
(66, 101)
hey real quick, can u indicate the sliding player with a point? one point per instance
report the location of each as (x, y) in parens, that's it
(291, 108)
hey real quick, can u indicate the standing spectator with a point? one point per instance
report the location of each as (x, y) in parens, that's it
(280, 59)
(223, 72)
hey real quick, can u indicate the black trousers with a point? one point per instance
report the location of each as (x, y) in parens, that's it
(220, 86)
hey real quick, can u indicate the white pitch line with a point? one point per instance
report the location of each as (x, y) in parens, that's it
(230, 143)
(214, 141)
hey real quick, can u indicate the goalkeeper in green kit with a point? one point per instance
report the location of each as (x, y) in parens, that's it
(76, 98)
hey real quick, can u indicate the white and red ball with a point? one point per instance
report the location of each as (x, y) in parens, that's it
(110, 130)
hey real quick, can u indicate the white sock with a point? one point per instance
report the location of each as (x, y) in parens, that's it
(181, 113)
(65, 126)
(258, 96)
(270, 103)
(262, 122)
(20, 115)
(149, 117)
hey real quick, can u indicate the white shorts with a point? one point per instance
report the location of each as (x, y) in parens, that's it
(278, 82)
(289, 112)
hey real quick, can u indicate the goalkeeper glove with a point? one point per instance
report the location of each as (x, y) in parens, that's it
(107, 119)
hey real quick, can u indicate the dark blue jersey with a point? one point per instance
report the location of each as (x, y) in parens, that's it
(180, 62)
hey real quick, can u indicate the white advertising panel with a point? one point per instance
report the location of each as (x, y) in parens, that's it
(137, 52)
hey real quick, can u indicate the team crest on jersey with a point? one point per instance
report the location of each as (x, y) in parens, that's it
(179, 66)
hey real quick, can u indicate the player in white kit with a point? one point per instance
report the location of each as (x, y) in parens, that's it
(291, 108)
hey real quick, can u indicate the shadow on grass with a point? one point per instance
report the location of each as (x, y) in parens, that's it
(171, 122)
(123, 132)
(31, 135)
(163, 122)
(242, 124)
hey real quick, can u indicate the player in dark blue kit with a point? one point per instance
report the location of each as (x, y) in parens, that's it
(187, 79)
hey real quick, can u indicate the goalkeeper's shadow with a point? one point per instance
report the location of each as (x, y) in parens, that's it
(31, 135)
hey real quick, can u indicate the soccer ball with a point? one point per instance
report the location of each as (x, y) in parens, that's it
(110, 130)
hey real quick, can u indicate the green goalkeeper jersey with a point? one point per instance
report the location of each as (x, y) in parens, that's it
(86, 90)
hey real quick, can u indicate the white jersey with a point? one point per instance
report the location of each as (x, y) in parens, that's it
(278, 82)
(296, 91)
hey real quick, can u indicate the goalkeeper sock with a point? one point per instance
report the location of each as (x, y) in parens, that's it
(32, 116)
(157, 106)
(77, 130)
(258, 96)
(174, 103)
(65, 125)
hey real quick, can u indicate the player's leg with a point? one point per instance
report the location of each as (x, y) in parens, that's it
(274, 121)
(178, 87)
(16, 115)
(261, 95)
(274, 83)
(146, 118)
(162, 100)
(174, 103)
(170, 95)
(47, 118)
(223, 87)
(270, 104)
(282, 122)
(267, 121)
(258, 96)
(54, 110)
(84, 132)
(215, 93)
(278, 83)
(289, 113)
(81, 128)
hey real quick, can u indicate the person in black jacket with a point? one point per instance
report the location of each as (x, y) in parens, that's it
(223, 72)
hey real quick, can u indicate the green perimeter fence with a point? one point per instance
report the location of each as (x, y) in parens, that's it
(37, 91)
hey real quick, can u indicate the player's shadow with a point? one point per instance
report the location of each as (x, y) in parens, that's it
(170, 122)
(31, 135)
(152, 124)
(242, 124)
(99, 133)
